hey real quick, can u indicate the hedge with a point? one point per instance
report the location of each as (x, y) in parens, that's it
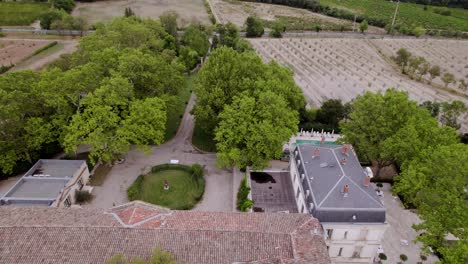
(243, 202)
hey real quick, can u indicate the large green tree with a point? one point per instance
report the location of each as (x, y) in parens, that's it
(24, 122)
(196, 38)
(375, 118)
(111, 121)
(228, 73)
(253, 129)
(435, 183)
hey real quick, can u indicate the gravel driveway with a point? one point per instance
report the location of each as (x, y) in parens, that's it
(219, 183)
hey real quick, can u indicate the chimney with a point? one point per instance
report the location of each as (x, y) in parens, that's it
(346, 190)
(367, 181)
(343, 161)
(316, 153)
(345, 149)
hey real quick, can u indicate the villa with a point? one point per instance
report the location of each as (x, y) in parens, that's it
(325, 179)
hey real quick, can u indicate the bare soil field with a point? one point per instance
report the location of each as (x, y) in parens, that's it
(14, 51)
(343, 68)
(450, 55)
(41, 60)
(188, 10)
(237, 12)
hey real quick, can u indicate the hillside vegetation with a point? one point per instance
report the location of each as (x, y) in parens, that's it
(21, 13)
(408, 14)
(380, 13)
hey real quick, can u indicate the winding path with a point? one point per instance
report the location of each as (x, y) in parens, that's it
(218, 191)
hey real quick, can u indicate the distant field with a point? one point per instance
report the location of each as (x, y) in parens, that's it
(20, 13)
(188, 10)
(408, 14)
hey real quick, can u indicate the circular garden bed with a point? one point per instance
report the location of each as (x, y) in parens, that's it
(173, 186)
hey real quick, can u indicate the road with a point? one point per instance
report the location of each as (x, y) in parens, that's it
(219, 183)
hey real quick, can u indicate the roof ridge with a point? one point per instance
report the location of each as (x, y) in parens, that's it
(331, 190)
(362, 190)
(156, 229)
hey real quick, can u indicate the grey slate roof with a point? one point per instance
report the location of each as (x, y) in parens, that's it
(325, 178)
(32, 235)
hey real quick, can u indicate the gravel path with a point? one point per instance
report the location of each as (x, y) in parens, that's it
(218, 191)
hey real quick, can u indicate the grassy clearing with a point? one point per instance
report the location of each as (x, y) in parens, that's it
(176, 108)
(21, 13)
(409, 14)
(184, 190)
(203, 140)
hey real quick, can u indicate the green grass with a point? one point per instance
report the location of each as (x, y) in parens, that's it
(20, 13)
(409, 14)
(183, 194)
(203, 140)
(308, 23)
(176, 108)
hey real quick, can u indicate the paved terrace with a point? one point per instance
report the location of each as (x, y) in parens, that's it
(272, 191)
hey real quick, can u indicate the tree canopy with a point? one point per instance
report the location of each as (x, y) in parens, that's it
(111, 93)
(228, 87)
(435, 183)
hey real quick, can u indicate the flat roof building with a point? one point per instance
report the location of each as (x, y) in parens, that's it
(48, 183)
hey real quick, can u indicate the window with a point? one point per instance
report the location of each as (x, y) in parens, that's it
(345, 234)
(357, 252)
(67, 202)
(295, 176)
(80, 184)
(298, 192)
(302, 209)
(329, 233)
(340, 251)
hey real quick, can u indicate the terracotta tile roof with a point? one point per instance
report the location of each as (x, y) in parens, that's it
(59, 235)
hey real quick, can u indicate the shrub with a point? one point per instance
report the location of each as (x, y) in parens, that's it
(66, 5)
(379, 184)
(197, 171)
(243, 202)
(5, 68)
(277, 30)
(403, 257)
(382, 256)
(133, 192)
(423, 258)
(83, 196)
(254, 27)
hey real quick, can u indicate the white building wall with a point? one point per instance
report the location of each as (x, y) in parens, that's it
(358, 242)
(69, 190)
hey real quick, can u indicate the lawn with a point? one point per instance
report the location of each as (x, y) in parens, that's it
(176, 108)
(408, 14)
(21, 13)
(184, 190)
(203, 140)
